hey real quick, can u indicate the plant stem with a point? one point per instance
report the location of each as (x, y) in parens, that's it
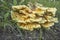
(40, 34)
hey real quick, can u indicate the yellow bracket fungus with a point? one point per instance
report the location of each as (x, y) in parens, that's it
(29, 19)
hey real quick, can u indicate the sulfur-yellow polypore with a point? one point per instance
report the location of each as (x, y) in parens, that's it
(29, 19)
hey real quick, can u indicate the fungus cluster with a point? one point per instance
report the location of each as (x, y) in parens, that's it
(31, 17)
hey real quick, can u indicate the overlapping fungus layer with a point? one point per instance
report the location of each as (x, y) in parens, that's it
(28, 17)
